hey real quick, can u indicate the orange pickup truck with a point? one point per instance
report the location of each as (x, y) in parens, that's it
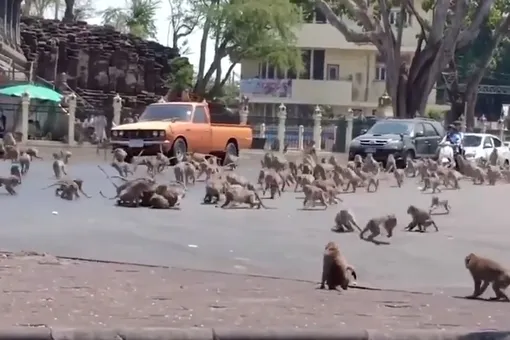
(178, 128)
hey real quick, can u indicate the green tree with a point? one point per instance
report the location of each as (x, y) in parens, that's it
(473, 61)
(137, 18)
(245, 29)
(450, 29)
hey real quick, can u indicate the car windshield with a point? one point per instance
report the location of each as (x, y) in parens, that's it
(472, 140)
(383, 128)
(173, 112)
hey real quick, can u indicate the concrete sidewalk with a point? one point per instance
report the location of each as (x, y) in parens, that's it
(44, 290)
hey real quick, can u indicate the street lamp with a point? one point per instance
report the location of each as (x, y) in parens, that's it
(384, 100)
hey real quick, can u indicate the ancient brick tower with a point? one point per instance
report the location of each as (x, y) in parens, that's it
(12, 60)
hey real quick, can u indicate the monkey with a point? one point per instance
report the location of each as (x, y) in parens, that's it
(24, 162)
(65, 156)
(62, 184)
(190, 173)
(335, 269)
(358, 161)
(10, 183)
(231, 160)
(157, 201)
(353, 180)
(420, 219)
(68, 191)
(33, 152)
(369, 164)
(391, 163)
(273, 182)
(478, 175)
(214, 188)
(123, 168)
(493, 157)
(149, 182)
(9, 139)
(312, 194)
(233, 178)
(436, 203)
(242, 195)
(485, 271)
(11, 153)
(302, 180)
(119, 155)
(493, 174)
(389, 222)
(399, 176)
(344, 222)
(151, 167)
(411, 168)
(59, 168)
(15, 171)
(431, 182)
(373, 180)
(453, 177)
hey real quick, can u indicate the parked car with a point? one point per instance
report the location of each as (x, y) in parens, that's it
(480, 145)
(177, 128)
(403, 138)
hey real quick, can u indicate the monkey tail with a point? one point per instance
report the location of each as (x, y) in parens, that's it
(108, 177)
(260, 201)
(52, 185)
(110, 198)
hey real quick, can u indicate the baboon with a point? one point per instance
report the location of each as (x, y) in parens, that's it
(10, 183)
(335, 269)
(485, 271)
(436, 203)
(389, 222)
(312, 194)
(420, 219)
(344, 222)
(399, 176)
(391, 164)
(24, 162)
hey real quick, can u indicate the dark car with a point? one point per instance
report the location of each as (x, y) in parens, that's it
(403, 138)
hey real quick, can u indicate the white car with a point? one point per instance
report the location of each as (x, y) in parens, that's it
(478, 145)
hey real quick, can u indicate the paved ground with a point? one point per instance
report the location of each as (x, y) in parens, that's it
(39, 291)
(285, 242)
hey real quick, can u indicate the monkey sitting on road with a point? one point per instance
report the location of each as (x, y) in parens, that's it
(389, 222)
(420, 219)
(335, 269)
(485, 271)
(344, 222)
(436, 203)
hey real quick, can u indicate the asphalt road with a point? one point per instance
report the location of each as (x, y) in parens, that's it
(285, 242)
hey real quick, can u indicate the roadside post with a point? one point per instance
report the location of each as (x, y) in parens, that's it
(282, 115)
(317, 118)
(25, 108)
(71, 102)
(117, 109)
(301, 132)
(348, 131)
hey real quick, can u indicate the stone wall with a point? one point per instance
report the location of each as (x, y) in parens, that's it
(96, 62)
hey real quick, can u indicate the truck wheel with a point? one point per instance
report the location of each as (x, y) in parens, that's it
(231, 149)
(179, 150)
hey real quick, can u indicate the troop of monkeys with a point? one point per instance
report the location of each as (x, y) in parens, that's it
(337, 272)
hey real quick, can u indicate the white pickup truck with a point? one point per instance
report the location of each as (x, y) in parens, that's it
(480, 145)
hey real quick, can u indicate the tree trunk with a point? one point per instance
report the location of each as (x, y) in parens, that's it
(69, 13)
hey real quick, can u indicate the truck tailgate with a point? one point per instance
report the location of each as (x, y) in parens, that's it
(221, 133)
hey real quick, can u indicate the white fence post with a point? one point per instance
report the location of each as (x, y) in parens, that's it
(71, 102)
(317, 117)
(348, 130)
(262, 130)
(117, 109)
(301, 133)
(25, 110)
(282, 115)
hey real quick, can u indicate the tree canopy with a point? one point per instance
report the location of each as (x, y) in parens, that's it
(137, 18)
(453, 25)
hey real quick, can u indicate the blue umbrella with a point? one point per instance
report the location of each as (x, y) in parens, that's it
(34, 91)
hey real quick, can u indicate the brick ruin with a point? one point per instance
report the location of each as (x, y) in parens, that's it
(96, 62)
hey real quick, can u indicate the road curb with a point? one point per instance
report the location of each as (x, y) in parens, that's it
(56, 333)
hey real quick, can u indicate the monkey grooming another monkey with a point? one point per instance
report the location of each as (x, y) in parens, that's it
(485, 271)
(420, 219)
(389, 222)
(436, 203)
(335, 269)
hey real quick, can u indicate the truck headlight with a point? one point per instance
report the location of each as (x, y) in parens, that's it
(155, 133)
(121, 133)
(162, 133)
(115, 133)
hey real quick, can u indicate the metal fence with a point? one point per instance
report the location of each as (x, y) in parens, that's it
(292, 135)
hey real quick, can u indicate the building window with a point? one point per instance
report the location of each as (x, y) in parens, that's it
(307, 56)
(395, 15)
(318, 59)
(380, 72)
(319, 17)
(270, 71)
(333, 72)
(263, 70)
